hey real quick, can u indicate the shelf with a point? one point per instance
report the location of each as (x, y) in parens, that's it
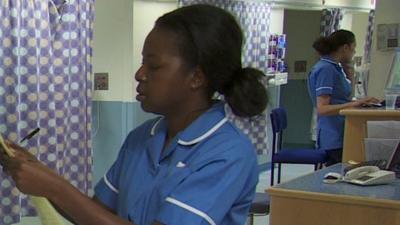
(277, 79)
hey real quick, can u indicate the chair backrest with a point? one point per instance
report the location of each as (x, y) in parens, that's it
(278, 120)
(278, 123)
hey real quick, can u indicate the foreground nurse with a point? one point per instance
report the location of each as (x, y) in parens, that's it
(330, 91)
(190, 165)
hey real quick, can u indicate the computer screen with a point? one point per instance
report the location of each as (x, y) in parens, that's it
(393, 80)
(394, 161)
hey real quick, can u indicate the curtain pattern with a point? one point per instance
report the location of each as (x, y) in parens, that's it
(330, 21)
(45, 70)
(368, 38)
(254, 19)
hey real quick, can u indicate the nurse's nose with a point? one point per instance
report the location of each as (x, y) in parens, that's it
(140, 75)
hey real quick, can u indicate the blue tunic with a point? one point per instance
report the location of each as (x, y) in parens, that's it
(328, 78)
(207, 174)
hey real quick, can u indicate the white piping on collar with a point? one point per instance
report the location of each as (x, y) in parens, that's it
(205, 135)
(153, 129)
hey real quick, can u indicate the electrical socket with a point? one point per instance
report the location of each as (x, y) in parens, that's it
(101, 81)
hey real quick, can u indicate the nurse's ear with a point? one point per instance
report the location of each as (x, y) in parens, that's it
(198, 79)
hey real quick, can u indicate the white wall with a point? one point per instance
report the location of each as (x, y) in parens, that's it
(387, 11)
(119, 32)
(276, 24)
(357, 22)
(359, 28)
(113, 47)
(347, 20)
(145, 13)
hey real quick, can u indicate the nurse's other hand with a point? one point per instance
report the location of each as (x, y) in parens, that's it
(366, 101)
(19, 152)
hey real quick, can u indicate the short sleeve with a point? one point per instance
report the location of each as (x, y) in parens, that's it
(107, 188)
(325, 81)
(222, 187)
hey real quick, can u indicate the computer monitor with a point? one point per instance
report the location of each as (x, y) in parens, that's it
(394, 161)
(393, 80)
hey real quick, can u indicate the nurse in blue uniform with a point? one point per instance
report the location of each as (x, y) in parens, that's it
(330, 91)
(189, 165)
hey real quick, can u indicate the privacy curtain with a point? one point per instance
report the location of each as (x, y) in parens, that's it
(368, 38)
(330, 21)
(254, 19)
(45, 70)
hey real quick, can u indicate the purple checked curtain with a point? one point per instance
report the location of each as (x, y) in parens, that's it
(45, 70)
(368, 38)
(330, 21)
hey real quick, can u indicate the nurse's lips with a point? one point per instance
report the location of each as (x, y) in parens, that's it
(140, 96)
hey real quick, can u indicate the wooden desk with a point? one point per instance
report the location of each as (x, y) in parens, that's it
(355, 129)
(309, 201)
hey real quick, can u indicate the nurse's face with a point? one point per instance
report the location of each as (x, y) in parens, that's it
(349, 50)
(164, 80)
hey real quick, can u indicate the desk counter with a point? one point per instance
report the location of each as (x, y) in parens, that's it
(308, 201)
(355, 129)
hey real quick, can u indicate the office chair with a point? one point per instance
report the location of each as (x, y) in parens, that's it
(259, 206)
(292, 155)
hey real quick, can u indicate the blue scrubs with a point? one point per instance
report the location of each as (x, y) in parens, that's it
(328, 78)
(206, 175)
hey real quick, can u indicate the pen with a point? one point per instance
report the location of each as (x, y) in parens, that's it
(30, 135)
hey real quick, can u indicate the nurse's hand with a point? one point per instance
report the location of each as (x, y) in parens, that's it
(30, 175)
(366, 101)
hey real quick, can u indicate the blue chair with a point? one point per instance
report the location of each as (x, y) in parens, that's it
(292, 155)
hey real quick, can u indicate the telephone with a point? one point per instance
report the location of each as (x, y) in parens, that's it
(369, 175)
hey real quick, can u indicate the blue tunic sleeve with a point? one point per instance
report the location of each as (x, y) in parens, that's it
(325, 80)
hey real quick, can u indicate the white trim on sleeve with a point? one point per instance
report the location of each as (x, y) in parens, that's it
(320, 88)
(191, 209)
(110, 185)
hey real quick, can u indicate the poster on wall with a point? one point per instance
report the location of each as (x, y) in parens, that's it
(388, 36)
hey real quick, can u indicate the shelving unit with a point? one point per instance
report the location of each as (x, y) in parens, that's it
(276, 79)
(277, 68)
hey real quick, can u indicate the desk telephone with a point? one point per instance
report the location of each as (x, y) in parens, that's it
(368, 175)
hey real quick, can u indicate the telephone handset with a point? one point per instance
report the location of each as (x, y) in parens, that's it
(369, 175)
(359, 172)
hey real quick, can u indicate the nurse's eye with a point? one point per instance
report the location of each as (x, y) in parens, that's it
(153, 67)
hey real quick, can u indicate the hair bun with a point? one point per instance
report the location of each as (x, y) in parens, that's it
(247, 95)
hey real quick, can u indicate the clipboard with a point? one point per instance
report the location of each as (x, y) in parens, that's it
(48, 215)
(5, 148)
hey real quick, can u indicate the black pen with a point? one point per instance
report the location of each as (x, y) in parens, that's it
(30, 135)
